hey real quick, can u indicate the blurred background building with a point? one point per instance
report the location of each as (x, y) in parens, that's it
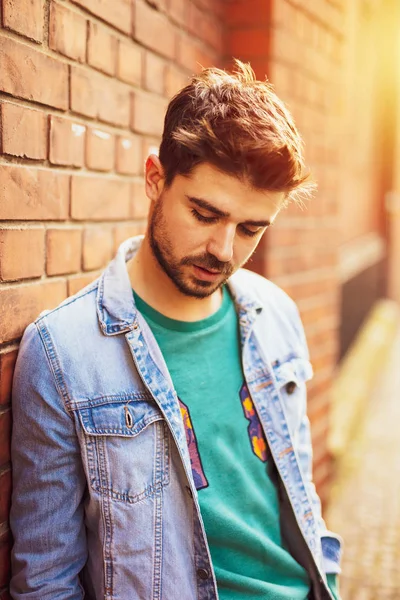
(83, 89)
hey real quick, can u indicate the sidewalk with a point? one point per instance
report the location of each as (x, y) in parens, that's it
(365, 501)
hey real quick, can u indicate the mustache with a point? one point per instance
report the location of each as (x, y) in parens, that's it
(210, 262)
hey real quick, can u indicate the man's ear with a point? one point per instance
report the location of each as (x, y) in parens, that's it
(154, 177)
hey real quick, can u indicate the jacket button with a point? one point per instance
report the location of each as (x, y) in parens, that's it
(189, 491)
(203, 574)
(290, 387)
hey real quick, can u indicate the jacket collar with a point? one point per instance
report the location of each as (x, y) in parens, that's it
(116, 309)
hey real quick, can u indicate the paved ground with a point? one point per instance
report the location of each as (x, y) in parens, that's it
(365, 507)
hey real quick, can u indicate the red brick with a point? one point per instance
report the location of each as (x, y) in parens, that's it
(25, 302)
(98, 96)
(67, 32)
(99, 198)
(5, 495)
(77, 282)
(244, 13)
(100, 150)
(249, 43)
(140, 202)
(178, 11)
(154, 73)
(150, 145)
(25, 17)
(148, 112)
(125, 231)
(102, 49)
(26, 73)
(129, 155)
(160, 5)
(7, 365)
(64, 248)
(153, 30)
(5, 435)
(188, 53)
(24, 131)
(117, 13)
(27, 193)
(67, 142)
(98, 247)
(5, 562)
(130, 62)
(21, 253)
(175, 80)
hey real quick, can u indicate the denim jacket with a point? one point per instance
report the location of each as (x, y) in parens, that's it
(104, 504)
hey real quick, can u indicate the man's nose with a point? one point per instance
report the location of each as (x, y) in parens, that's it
(221, 244)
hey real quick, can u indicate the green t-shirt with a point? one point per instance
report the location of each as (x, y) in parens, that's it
(230, 458)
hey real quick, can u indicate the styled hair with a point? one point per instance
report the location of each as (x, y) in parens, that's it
(239, 125)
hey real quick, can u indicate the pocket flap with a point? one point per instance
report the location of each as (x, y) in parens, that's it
(119, 418)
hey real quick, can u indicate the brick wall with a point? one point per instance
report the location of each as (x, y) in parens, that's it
(83, 90)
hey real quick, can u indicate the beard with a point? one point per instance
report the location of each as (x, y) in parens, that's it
(176, 269)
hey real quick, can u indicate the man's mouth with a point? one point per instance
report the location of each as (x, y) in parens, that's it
(206, 274)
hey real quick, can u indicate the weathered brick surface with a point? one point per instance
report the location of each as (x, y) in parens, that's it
(129, 157)
(63, 251)
(130, 62)
(24, 131)
(99, 199)
(152, 29)
(67, 32)
(25, 302)
(140, 202)
(22, 253)
(95, 95)
(25, 17)
(26, 73)
(154, 73)
(7, 364)
(67, 142)
(117, 13)
(148, 112)
(98, 246)
(100, 149)
(31, 194)
(102, 49)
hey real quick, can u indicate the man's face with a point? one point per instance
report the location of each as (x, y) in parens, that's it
(207, 225)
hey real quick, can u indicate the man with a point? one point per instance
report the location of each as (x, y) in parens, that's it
(161, 447)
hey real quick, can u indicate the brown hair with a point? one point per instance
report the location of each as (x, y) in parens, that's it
(239, 125)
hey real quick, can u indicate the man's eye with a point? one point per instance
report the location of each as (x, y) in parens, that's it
(202, 218)
(249, 232)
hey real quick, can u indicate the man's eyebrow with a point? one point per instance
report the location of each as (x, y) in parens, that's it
(220, 213)
(207, 206)
(257, 223)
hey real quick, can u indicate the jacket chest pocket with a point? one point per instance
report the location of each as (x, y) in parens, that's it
(291, 376)
(127, 449)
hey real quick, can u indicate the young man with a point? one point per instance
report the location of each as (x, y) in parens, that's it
(161, 447)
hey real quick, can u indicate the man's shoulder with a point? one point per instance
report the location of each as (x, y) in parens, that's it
(72, 309)
(262, 290)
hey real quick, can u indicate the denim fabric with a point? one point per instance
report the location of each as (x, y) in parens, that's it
(104, 505)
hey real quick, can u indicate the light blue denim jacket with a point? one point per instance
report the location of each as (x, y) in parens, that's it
(104, 505)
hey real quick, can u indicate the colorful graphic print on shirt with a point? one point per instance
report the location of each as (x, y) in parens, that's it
(200, 480)
(256, 435)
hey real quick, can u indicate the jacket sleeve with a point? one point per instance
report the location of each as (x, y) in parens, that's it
(48, 483)
(331, 543)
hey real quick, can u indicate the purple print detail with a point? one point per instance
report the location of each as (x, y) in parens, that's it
(199, 477)
(257, 438)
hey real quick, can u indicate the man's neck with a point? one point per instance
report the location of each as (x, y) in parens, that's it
(153, 285)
